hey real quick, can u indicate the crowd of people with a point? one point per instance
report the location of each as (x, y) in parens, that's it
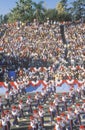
(65, 110)
(41, 45)
(37, 52)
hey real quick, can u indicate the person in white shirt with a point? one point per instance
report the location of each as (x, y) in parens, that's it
(11, 94)
(41, 115)
(63, 121)
(4, 122)
(52, 110)
(21, 106)
(37, 97)
(23, 90)
(77, 112)
(83, 105)
(8, 117)
(79, 92)
(63, 125)
(16, 93)
(15, 115)
(64, 99)
(83, 89)
(7, 98)
(72, 95)
(36, 117)
(70, 117)
(56, 102)
(32, 123)
(58, 124)
(29, 104)
(43, 93)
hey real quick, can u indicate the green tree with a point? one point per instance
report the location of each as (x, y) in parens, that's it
(78, 9)
(39, 10)
(61, 11)
(14, 15)
(1, 19)
(23, 11)
(51, 14)
(63, 14)
(5, 18)
(60, 8)
(64, 3)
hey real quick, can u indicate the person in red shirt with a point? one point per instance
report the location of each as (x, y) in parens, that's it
(82, 127)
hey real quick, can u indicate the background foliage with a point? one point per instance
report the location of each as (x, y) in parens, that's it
(27, 11)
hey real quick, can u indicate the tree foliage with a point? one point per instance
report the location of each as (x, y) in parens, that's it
(39, 10)
(22, 11)
(4, 19)
(64, 3)
(78, 9)
(51, 14)
(62, 15)
(27, 11)
(60, 8)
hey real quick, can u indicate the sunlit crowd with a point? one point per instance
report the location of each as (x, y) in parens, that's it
(37, 52)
